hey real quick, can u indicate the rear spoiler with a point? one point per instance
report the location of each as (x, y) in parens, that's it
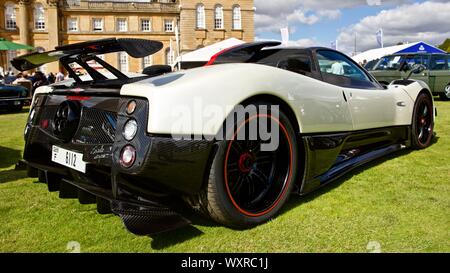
(137, 48)
(241, 53)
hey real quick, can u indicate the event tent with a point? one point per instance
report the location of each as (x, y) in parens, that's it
(419, 47)
(201, 56)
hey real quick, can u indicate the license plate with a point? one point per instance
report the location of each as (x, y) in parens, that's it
(68, 158)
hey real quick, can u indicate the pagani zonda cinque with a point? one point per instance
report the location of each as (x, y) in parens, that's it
(130, 145)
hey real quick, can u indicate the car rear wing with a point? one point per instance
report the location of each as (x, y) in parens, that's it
(137, 48)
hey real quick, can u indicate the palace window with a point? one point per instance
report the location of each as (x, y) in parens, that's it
(123, 61)
(237, 19)
(10, 16)
(39, 17)
(122, 25)
(97, 24)
(146, 25)
(168, 25)
(218, 17)
(201, 16)
(147, 61)
(169, 56)
(72, 24)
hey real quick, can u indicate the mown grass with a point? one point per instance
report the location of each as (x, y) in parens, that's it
(401, 202)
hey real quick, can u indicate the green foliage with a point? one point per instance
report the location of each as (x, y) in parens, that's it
(446, 45)
(401, 202)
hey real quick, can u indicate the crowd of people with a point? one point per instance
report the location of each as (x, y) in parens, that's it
(35, 80)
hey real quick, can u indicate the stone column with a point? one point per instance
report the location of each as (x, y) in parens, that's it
(53, 31)
(23, 23)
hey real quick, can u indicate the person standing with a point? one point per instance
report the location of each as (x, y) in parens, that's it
(40, 80)
(337, 68)
(59, 76)
(21, 77)
(51, 78)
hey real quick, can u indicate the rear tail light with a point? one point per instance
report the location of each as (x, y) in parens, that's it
(127, 156)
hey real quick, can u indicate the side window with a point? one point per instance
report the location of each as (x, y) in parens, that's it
(412, 60)
(339, 70)
(439, 62)
(391, 62)
(426, 61)
(300, 64)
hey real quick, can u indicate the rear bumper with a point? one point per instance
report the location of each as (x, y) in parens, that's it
(140, 216)
(165, 169)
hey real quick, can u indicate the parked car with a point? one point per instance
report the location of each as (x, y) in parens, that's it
(13, 97)
(436, 76)
(135, 146)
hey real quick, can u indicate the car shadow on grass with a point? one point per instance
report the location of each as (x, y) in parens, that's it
(178, 236)
(8, 158)
(11, 175)
(174, 237)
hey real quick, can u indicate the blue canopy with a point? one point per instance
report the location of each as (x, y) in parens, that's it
(421, 47)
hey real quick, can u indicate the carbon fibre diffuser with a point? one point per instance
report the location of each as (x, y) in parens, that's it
(148, 221)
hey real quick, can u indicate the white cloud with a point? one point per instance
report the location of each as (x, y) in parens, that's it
(426, 21)
(271, 15)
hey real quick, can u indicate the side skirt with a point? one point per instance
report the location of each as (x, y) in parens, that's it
(330, 156)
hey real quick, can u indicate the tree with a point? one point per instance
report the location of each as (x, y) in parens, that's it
(446, 45)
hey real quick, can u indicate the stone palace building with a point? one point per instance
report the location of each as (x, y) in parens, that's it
(45, 24)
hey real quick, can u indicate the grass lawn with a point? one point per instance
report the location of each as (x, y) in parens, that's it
(401, 203)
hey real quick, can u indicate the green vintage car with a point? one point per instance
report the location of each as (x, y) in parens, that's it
(437, 75)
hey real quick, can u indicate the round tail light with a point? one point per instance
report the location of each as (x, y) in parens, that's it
(127, 156)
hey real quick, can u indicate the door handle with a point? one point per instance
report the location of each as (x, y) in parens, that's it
(345, 97)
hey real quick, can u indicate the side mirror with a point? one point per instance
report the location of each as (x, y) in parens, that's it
(416, 69)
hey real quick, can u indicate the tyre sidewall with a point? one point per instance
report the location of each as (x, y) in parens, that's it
(237, 218)
(416, 143)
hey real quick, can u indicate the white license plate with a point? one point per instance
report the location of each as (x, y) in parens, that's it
(68, 158)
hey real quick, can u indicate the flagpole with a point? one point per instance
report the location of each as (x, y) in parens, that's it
(177, 38)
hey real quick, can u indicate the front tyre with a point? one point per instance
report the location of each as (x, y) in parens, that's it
(423, 122)
(248, 185)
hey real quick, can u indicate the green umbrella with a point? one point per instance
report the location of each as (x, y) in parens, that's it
(6, 45)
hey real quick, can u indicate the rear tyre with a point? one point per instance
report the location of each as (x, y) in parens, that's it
(248, 185)
(446, 94)
(423, 122)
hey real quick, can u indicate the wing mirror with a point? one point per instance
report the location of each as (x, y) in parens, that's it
(416, 69)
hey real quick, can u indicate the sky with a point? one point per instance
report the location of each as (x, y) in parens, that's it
(320, 22)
